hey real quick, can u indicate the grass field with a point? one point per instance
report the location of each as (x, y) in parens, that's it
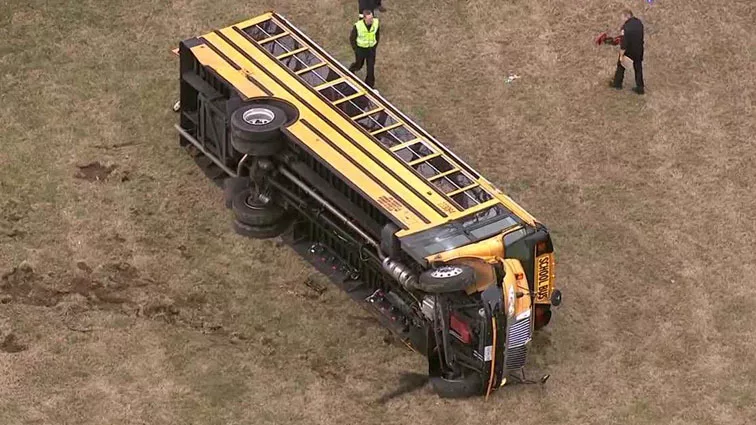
(126, 298)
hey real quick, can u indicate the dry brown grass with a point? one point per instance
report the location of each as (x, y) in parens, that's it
(168, 318)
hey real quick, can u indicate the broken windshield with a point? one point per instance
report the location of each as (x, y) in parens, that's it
(467, 230)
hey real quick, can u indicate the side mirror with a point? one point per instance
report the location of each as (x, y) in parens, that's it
(556, 298)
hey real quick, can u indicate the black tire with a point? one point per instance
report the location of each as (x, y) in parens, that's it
(260, 232)
(446, 278)
(256, 129)
(469, 385)
(232, 186)
(253, 211)
(258, 149)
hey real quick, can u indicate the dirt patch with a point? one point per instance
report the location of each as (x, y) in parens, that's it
(118, 287)
(105, 287)
(326, 368)
(11, 345)
(13, 210)
(164, 309)
(12, 214)
(23, 285)
(94, 171)
(11, 232)
(121, 275)
(83, 266)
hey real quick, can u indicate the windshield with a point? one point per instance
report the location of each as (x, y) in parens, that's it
(467, 230)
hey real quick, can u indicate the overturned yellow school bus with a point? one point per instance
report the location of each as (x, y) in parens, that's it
(308, 152)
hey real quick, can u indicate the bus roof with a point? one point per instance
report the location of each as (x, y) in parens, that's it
(400, 168)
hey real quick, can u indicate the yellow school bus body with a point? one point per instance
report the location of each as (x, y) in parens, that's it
(407, 196)
(431, 201)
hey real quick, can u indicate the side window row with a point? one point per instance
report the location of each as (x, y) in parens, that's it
(381, 124)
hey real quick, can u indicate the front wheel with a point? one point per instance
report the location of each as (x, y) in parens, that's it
(446, 278)
(469, 385)
(466, 383)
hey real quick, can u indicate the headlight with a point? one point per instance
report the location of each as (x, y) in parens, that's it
(510, 301)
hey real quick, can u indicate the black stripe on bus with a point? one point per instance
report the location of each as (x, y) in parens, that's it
(339, 130)
(336, 172)
(236, 66)
(220, 53)
(359, 166)
(259, 86)
(438, 210)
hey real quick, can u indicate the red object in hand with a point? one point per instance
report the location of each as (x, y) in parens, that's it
(600, 39)
(603, 38)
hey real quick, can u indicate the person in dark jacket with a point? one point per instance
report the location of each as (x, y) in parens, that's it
(364, 40)
(372, 5)
(631, 47)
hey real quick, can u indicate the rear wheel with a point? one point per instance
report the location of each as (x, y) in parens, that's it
(232, 186)
(256, 129)
(260, 232)
(257, 216)
(256, 210)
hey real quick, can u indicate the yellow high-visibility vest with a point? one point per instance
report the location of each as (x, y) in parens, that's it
(366, 38)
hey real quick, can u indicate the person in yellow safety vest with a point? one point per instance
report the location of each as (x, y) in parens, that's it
(364, 40)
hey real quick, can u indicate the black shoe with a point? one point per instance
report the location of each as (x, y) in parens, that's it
(614, 86)
(639, 90)
(381, 9)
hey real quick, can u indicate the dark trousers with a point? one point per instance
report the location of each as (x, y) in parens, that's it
(619, 75)
(368, 4)
(360, 57)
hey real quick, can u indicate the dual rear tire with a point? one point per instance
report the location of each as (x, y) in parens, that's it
(255, 216)
(256, 130)
(256, 127)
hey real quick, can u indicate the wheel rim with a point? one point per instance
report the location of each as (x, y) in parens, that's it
(258, 116)
(256, 202)
(446, 272)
